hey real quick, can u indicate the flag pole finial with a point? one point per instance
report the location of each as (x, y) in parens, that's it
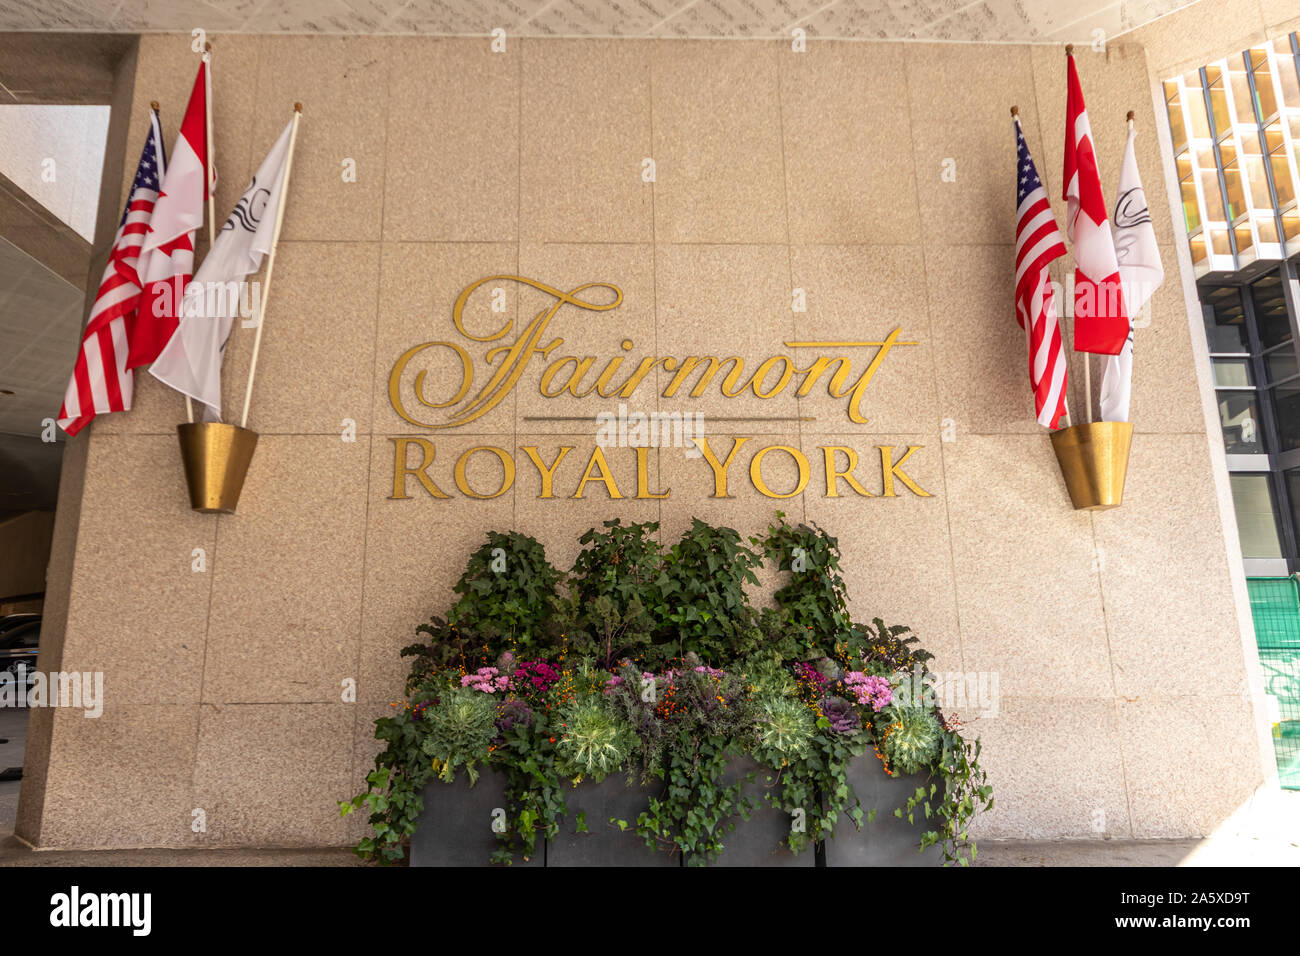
(297, 107)
(1015, 111)
(1130, 116)
(1069, 49)
(207, 47)
(153, 104)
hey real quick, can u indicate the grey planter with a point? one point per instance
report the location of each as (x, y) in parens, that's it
(757, 841)
(604, 844)
(455, 826)
(889, 841)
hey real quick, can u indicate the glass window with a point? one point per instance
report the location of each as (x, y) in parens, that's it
(1243, 106)
(1176, 116)
(1208, 175)
(1286, 73)
(1290, 224)
(1271, 319)
(1232, 183)
(1225, 320)
(1293, 492)
(1286, 415)
(1256, 516)
(1239, 416)
(1187, 187)
(1280, 365)
(1218, 100)
(1232, 373)
(1265, 100)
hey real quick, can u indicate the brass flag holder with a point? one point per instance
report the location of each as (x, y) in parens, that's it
(216, 458)
(1094, 463)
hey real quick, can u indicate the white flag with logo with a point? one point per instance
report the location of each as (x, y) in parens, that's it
(191, 361)
(1140, 274)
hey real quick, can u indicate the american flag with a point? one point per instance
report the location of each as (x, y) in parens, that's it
(1038, 242)
(100, 380)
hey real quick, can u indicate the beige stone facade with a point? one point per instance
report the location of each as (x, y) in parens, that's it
(1121, 640)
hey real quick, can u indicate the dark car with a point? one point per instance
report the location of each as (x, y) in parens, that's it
(20, 637)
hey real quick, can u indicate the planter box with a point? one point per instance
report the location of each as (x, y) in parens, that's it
(455, 826)
(757, 841)
(604, 844)
(889, 841)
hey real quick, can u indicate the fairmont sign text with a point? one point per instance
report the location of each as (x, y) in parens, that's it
(488, 368)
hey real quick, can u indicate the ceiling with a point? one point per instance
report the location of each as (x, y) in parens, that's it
(40, 317)
(950, 20)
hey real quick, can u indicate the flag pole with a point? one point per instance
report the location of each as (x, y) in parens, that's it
(1087, 384)
(212, 218)
(207, 172)
(270, 264)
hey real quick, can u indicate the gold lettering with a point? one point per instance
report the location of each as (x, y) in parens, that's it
(516, 358)
(580, 369)
(814, 372)
(691, 362)
(395, 380)
(760, 376)
(401, 470)
(719, 468)
(756, 470)
(548, 474)
(643, 475)
(507, 467)
(598, 458)
(642, 370)
(860, 386)
(890, 468)
(612, 366)
(833, 474)
(507, 362)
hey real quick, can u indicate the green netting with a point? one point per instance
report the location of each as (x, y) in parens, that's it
(1275, 606)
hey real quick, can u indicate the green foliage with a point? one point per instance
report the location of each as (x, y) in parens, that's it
(704, 607)
(697, 809)
(702, 715)
(658, 658)
(614, 587)
(458, 730)
(966, 793)
(447, 647)
(817, 784)
(815, 600)
(507, 598)
(912, 737)
(878, 648)
(526, 754)
(596, 741)
(392, 797)
(784, 728)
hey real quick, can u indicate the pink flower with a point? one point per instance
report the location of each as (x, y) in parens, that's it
(487, 679)
(869, 689)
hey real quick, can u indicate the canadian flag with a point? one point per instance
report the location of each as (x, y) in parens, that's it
(1101, 322)
(167, 257)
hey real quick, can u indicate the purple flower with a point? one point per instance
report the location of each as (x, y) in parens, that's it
(514, 712)
(534, 676)
(843, 718)
(806, 672)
